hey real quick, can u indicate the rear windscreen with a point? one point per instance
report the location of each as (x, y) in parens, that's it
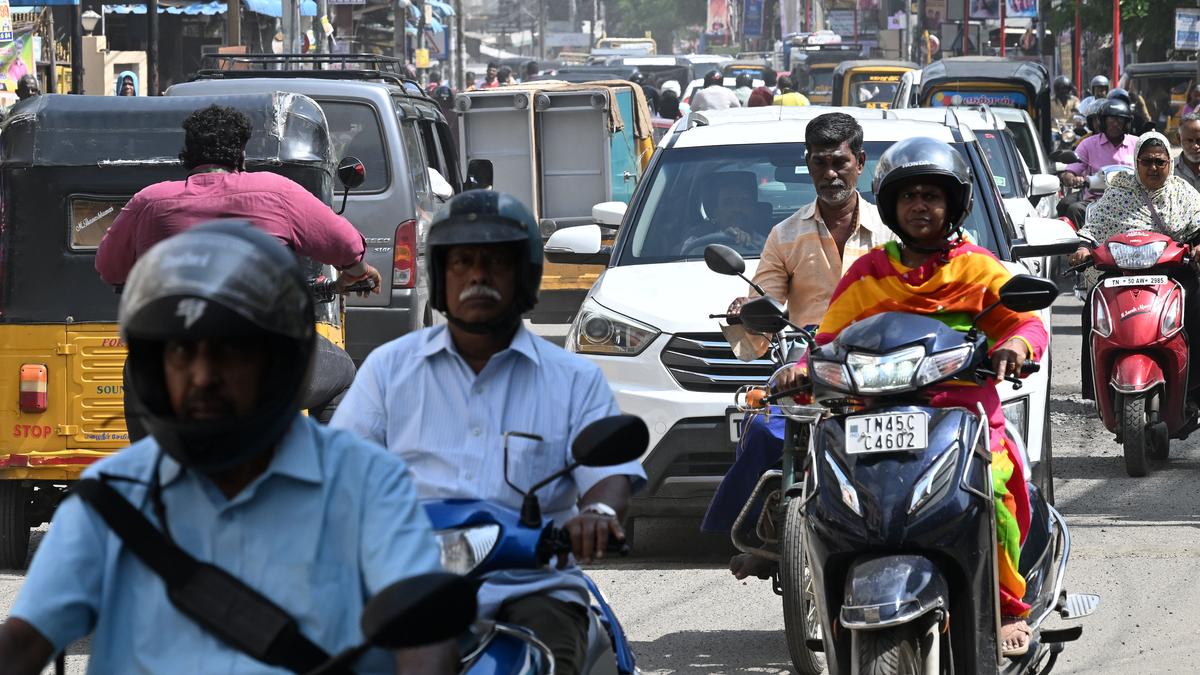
(90, 217)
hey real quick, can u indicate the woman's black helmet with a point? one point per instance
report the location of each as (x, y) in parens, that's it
(713, 78)
(927, 160)
(221, 280)
(485, 217)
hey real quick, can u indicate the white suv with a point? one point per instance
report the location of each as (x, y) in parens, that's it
(645, 321)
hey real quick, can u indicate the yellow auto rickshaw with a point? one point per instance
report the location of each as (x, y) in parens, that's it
(68, 164)
(868, 83)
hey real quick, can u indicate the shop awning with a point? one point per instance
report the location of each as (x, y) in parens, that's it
(194, 9)
(275, 7)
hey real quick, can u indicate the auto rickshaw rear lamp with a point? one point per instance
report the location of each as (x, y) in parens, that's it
(33, 393)
(404, 259)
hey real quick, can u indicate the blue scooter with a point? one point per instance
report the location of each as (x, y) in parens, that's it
(477, 537)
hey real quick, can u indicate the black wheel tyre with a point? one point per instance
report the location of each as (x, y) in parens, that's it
(1043, 473)
(893, 651)
(800, 620)
(14, 527)
(1135, 436)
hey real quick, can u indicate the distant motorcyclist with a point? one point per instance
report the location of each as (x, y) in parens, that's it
(1064, 105)
(444, 398)
(924, 191)
(219, 323)
(714, 95)
(1097, 90)
(1114, 145)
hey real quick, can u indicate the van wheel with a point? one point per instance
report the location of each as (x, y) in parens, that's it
(14, 526)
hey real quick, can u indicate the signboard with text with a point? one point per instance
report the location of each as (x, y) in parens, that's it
(1187, 28)
(6, 29)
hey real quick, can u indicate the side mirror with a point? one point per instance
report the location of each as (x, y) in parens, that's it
(611, 440)
(1065, 157)
(724, 260)
(479, 174)
(351, 172)
(420, 610)
(1043, 184)
(1027, 293)
(764, 315)
(578, 245)
(609, 213)
(1046, 237)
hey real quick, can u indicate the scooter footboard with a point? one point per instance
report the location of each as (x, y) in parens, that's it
(884, 591)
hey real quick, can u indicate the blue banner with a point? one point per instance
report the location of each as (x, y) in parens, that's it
(752, 18)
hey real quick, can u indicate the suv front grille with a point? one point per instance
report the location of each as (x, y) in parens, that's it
(705, 362)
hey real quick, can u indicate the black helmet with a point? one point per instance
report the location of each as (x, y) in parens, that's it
(713, 77)
(1062, 82)
(485, 217)
(225, 279)
(638, 77)
(1121, 94)
(444, 95)
(927, 159)
(1115, 107)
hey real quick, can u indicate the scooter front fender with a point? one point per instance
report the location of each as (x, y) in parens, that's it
(883, 591)
(1136, 372)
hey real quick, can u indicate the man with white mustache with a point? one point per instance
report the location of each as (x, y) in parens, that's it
(1187, 166)
(443, 399)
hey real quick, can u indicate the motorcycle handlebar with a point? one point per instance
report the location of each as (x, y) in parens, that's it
(1027, 368)
(559, 541)
(731, 319)
(326, 290)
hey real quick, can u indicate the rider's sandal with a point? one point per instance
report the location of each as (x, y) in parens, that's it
(1023, 649)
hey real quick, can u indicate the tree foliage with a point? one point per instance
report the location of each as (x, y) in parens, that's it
(1150, 22)
(632, 18)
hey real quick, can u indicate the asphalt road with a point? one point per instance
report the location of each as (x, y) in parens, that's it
(1136, 543)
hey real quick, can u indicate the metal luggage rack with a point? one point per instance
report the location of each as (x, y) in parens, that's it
(327, 66)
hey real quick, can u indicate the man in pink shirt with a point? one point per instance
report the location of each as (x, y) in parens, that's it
(217, 186)
(1113, 145)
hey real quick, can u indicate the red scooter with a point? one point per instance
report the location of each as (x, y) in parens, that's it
(1139, 347)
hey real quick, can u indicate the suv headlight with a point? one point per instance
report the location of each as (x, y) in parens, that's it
(883, 373)
(463, 549)
(1136, 257)
(599, 330)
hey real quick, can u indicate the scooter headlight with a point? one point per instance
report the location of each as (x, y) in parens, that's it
(845, 488)
(463, 549)
(1136, 257)
(884, 373)
(935, 481)
(943, 364)
(1172, 319)
(1101, 321)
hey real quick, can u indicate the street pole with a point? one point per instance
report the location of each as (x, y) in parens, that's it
(541, 30)
(460, 47)
(233, 23)
(1078, 50)
(322, 40)
(52, 86)
(962, 48)
(151, 47)
(420, 43)
(1116, 51)
(1003, 37)
(399, 46)
(77, 49)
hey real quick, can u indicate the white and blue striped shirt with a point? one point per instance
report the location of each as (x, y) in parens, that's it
(418, 397)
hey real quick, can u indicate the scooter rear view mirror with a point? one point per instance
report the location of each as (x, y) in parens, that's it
(352, 173)
(724, 260)
(1065, 157)
(1027, 293)
(764, 315)
(611, 440)
(420, 610)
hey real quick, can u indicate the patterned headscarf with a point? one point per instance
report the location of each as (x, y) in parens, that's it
(1122, 207)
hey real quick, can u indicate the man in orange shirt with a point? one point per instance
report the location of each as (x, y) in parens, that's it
(802, 262)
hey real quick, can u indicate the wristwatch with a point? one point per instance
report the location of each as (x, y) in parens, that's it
(600, 508)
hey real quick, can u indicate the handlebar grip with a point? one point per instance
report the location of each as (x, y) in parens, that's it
(617, 546)
(364, 286)
(1030, 367)
(733, 320)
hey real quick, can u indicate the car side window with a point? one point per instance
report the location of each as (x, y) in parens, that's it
(417, 166)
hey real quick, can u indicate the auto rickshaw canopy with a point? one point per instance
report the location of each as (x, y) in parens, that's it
(991, 80)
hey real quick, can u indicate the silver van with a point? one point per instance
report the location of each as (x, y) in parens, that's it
(399, 133)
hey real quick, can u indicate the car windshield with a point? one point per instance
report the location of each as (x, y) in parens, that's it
(873, 90)
(1003, 173)
(734, 195)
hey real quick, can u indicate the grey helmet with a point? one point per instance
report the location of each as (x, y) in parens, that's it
(225, 279)
(929, 160)
(1098, 81)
